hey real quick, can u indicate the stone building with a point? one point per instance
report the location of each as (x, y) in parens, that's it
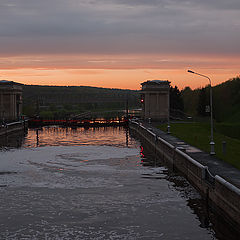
(10, 100)
(155, 100)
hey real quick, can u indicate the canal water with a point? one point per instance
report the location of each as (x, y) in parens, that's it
(96, 183)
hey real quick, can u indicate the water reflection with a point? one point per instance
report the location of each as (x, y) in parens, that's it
(208, 217)
(65, 136)
(13, 140)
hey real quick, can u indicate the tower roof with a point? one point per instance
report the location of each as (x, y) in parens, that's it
(155, 85)
(155, 82)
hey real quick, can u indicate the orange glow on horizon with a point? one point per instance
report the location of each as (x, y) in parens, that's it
(125, 72)
(124, 79)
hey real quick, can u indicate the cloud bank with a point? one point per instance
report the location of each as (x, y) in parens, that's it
(119, 27)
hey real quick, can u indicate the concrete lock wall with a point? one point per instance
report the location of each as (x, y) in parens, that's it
(222, 194)
(13, 127)
(227, 197)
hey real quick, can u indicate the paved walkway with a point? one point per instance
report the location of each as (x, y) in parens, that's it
(215, 165)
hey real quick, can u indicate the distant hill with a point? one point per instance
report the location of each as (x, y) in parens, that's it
(75, 99)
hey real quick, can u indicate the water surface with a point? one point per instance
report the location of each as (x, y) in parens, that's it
(62, 183)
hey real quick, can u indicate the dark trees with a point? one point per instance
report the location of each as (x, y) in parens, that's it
(176, 101)
(202, 102)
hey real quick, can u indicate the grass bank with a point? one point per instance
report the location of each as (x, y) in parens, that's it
(198, 134)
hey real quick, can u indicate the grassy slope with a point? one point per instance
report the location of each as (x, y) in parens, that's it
(198, 134)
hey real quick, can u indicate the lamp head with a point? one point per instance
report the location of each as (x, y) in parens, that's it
(190, 71)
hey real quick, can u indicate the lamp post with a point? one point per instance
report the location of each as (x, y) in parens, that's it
(168, 124)
(212, 152)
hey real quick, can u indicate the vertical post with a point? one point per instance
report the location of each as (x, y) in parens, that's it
(224, 149)
(37, 106)
(37, 137)
(212, 152)
(126, 130)
(168, 126)
(127, 107)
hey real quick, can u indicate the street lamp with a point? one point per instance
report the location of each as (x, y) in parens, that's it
(168, 123)
(212, 152)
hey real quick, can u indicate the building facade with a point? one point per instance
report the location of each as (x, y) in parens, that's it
(155, 100)
(10, 101)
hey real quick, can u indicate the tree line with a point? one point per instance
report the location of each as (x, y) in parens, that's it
(58, 101)
(62, 101)
(226, 101)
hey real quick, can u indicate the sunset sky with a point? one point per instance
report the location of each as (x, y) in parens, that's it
(119, 43)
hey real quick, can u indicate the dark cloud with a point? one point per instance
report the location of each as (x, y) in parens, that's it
(119, 26)
(217, 4)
